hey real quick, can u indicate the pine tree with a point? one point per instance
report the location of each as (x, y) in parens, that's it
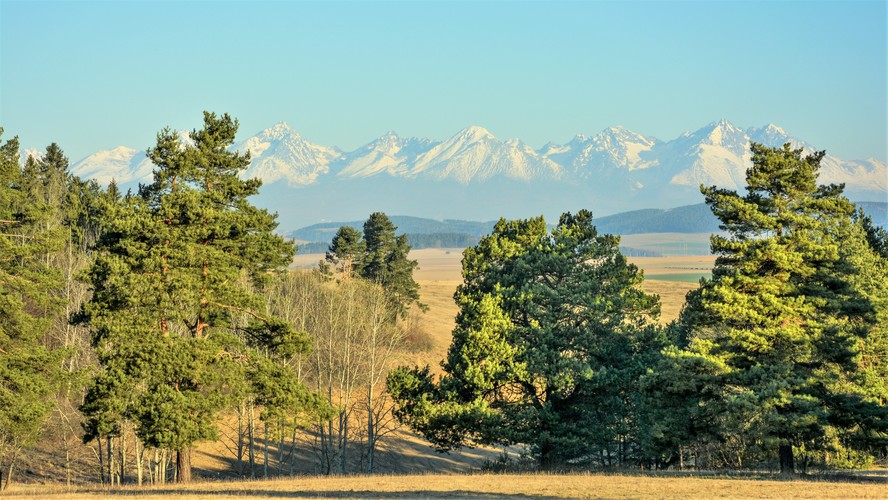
(551, 339)
(378, 255)
(168, 288)
(347, 251)
(781, 311)
(29, 370)
(386, 262)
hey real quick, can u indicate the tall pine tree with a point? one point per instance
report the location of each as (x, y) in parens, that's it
(782, 313)
(167, 286)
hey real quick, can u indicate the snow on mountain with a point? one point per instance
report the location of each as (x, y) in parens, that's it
(124, 165)
(612, 148)
(25, 153)
(717, 154)
(857, 175)
(280, 153)
(614, 161)
(474, 154)
(389, 154)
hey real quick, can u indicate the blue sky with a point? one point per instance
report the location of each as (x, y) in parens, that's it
(94, 75)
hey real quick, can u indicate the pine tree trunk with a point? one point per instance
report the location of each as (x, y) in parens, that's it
(281, 441)
(250, 449)
(101, 462)
(183, 465)
(787, 463)
(240, 439)
(265, 451)
(547, 456)
(290, 455)
(122, 477)
(111, 460)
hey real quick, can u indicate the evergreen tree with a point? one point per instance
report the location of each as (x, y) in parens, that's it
(347, 251)
(782, 312)
(386, 262)
(167, 291)
(29, 370)
(377, 255)
(551, 339)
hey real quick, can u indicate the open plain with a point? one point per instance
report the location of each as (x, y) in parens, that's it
(511, 486)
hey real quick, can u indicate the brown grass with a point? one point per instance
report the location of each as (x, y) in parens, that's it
(526, 486)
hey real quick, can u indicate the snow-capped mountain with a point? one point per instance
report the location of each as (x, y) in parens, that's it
(280, 153)
(37, 154)
(717, 154)
(124, 165)
(857, 175)
(615, 148)
(476, 175)
(389, 154)
(474, 154)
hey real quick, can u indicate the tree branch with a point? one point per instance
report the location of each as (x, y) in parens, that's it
(240, 309)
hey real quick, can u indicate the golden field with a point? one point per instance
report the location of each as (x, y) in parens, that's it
(526, 486)
(439, 273)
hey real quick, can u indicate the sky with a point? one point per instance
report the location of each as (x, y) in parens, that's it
(96, 75)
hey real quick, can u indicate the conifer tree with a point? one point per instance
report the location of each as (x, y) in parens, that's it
(378, 255)
(386, 262)
(167, 285)
(782, 313)
(347, 251)
(29, 370)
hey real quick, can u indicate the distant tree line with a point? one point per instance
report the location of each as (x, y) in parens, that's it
(136, 325)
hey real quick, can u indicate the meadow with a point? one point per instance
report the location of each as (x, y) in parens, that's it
(505, 486)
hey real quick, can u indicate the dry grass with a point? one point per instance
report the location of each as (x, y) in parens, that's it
(526, 486)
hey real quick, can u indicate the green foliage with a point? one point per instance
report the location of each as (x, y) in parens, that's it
(175, 321)
(347, 250)
(786, 312)
(551, 339)
(30, 370)
(380, 257)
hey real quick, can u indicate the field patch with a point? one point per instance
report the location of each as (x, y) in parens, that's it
(511, 486)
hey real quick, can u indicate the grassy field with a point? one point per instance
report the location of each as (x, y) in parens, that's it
(524, 486)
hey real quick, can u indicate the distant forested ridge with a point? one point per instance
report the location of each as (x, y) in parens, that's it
(430, 233)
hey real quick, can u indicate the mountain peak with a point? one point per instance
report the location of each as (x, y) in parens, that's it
(279, 131)
(281, 126)
(721, 133)
(475, 133)
(771, 128)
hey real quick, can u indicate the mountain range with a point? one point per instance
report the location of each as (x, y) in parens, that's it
(475, 175)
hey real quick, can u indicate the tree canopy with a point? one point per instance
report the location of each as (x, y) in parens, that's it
(547, 347)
